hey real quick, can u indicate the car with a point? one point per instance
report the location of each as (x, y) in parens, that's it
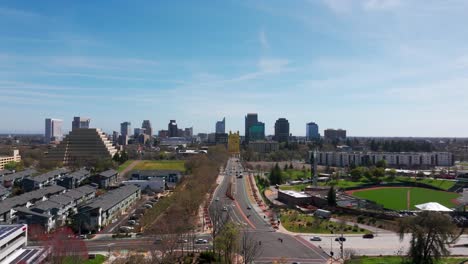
(153, 200)
(126, 228)
(248, 207)
(342, 239)
(225, 208)
(201, 241)
(217, 199)
(315, 238)
(158, 241)
(182, 241)
(132, 222)
(368, 236)
(147, 206)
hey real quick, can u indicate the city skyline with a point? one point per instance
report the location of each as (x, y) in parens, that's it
(358, 65)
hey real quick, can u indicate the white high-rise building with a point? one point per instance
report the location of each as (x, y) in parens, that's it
(53, 130)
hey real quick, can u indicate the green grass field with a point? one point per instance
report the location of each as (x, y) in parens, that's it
(97, 260)
(396, 198)
(442, 184)
(124, 165)
(161, 165)
(301, 223)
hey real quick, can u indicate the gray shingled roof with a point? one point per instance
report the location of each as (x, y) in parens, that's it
(19, 175)
(112, 198)
(26, 210)
(49, 175)
(22, 199)
(108, 173)
(46, 206)
(61, 199)
(79, 174)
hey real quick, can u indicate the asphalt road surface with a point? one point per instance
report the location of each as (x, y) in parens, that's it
(275, 246)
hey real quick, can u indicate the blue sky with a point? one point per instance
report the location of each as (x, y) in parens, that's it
(373, 67)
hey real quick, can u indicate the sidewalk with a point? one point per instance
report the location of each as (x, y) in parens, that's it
(370, 228)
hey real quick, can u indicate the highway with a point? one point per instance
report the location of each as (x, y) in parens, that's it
(275, 246)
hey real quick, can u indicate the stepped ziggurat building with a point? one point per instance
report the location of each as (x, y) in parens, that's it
(81, 145)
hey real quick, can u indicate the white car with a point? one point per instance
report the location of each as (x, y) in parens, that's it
(315, 238)
(225, 208)
(217, 199)
(201, 241)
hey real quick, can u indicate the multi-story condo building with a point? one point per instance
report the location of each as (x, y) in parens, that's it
(4, 160)
(80, 122)
(53, 130)
(83, 145)
(282, 130)
(393, 159)
(100, 211)
(312, 131)
(221, 126)
(334, 134)
(264, 146)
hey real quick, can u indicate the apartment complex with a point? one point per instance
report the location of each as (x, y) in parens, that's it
(83, 144)
(4, 160)
(53, 130)
(264, 146)
(100, 211)
(394, 159)
(334, 134)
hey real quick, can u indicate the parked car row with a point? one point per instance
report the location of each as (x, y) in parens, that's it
(133, 220)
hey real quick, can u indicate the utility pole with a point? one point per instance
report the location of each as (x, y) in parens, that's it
(313, 166)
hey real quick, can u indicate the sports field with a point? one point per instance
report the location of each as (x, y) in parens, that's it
(160, 165)
(405, 198)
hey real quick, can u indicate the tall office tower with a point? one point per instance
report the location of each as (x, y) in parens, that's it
(221, 126)
(188, 132)
(250, 120)
(126, 129)
(80, 122)
(282, 130)
(312, 131)
(115, 137)
(172, 128)
(138, 131)
(53, 130)
(125, 132)
(147, 126)
(257, 132)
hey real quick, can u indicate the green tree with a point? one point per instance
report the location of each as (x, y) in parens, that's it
(431, 234)
(285, 167)
(331, 197)
(291, 166)
(356, 173)
(228, 241)
(11, 165)
(381, 164)
(392, 174)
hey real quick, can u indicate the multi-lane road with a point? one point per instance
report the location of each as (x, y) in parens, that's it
(274, 245)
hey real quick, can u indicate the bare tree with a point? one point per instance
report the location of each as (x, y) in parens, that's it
(218, 220)
(250, 248)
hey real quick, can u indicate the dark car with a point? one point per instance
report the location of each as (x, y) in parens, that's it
(369, 236)
(342, 239)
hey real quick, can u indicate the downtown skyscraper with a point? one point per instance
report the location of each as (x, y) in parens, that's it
(53, 130)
